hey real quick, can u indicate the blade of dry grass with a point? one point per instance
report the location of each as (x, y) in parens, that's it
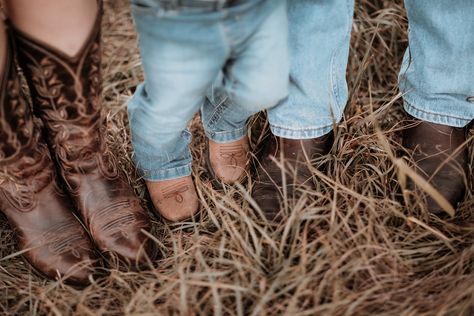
(349, 247)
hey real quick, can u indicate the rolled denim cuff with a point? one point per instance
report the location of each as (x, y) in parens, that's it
(414, 108)
(165, 174)
(227, 136)
(302, 133)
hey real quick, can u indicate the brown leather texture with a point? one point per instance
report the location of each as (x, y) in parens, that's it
(66, 93)
(54, 241)
(440, 156)
(294, 156)
(175, 200)
(228, 162)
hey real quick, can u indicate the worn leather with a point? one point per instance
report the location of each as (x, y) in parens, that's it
(66, 93)
(54, 241)
(431, 146)
(295, 156)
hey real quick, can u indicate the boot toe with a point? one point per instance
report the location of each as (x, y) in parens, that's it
(79, 274)
(176, 200)
(133, 249)
(268, 202)
(73, 266)
(177, 213)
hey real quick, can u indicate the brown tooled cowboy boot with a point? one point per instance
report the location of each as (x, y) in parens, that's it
(52, 239)
(297, 155)
(440, 156)
(66, 94)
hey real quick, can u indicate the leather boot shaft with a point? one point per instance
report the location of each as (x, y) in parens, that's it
(30, 196)
(66, 92)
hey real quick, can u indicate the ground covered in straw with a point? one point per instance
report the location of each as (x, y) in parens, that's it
(351, 247)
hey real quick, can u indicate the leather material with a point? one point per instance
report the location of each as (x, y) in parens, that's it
(228, 162)
(431, 145)
(66, 94)
(295, 156)
(54, 241)
(176, 199)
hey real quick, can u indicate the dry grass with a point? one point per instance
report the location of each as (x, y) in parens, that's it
(348, 248)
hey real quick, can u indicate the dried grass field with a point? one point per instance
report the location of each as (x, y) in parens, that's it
(351, 247)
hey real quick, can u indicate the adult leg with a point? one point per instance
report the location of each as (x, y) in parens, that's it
(65, 25)
(59, 51)
(319, 34)
(52, 239)
(438, 86)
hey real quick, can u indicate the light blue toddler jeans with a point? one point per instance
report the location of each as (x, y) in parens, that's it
(242, 48)
(436, 78)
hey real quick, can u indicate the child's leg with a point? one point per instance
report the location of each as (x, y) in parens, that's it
(181, 57)
(256, 78)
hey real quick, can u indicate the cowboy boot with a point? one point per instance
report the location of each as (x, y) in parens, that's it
(440, 156)
(175, 200)
(66, 94)
(227, 162)
(297, 154)
(53, 240)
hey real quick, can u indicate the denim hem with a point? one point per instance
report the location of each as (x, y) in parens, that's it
(302, 133)
(227, 136)
(166, 174)
(432, 117)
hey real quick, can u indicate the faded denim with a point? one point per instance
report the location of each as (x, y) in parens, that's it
(183, 52)
(437, 75)
(319, 35)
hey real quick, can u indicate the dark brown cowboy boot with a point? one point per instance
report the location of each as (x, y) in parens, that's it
(52, 239)
(297, 155)
(433, 149)
(66, 94)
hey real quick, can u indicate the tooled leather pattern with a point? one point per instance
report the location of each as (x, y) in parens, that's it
(114, 219)
(233, 154)
(64, 237)
(67, 93)
(25, 165)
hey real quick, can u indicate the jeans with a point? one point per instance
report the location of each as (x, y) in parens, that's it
(437, 75)
(436, 78)
(319, 35)
(241, 49)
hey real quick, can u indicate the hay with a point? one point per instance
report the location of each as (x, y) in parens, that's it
(348, 248)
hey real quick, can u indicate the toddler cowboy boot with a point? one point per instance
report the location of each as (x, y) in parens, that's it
(66, 92)
(51, 238)
(227, 162)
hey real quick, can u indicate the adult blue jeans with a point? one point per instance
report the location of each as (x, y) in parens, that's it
(436, 77)
(242, 49)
